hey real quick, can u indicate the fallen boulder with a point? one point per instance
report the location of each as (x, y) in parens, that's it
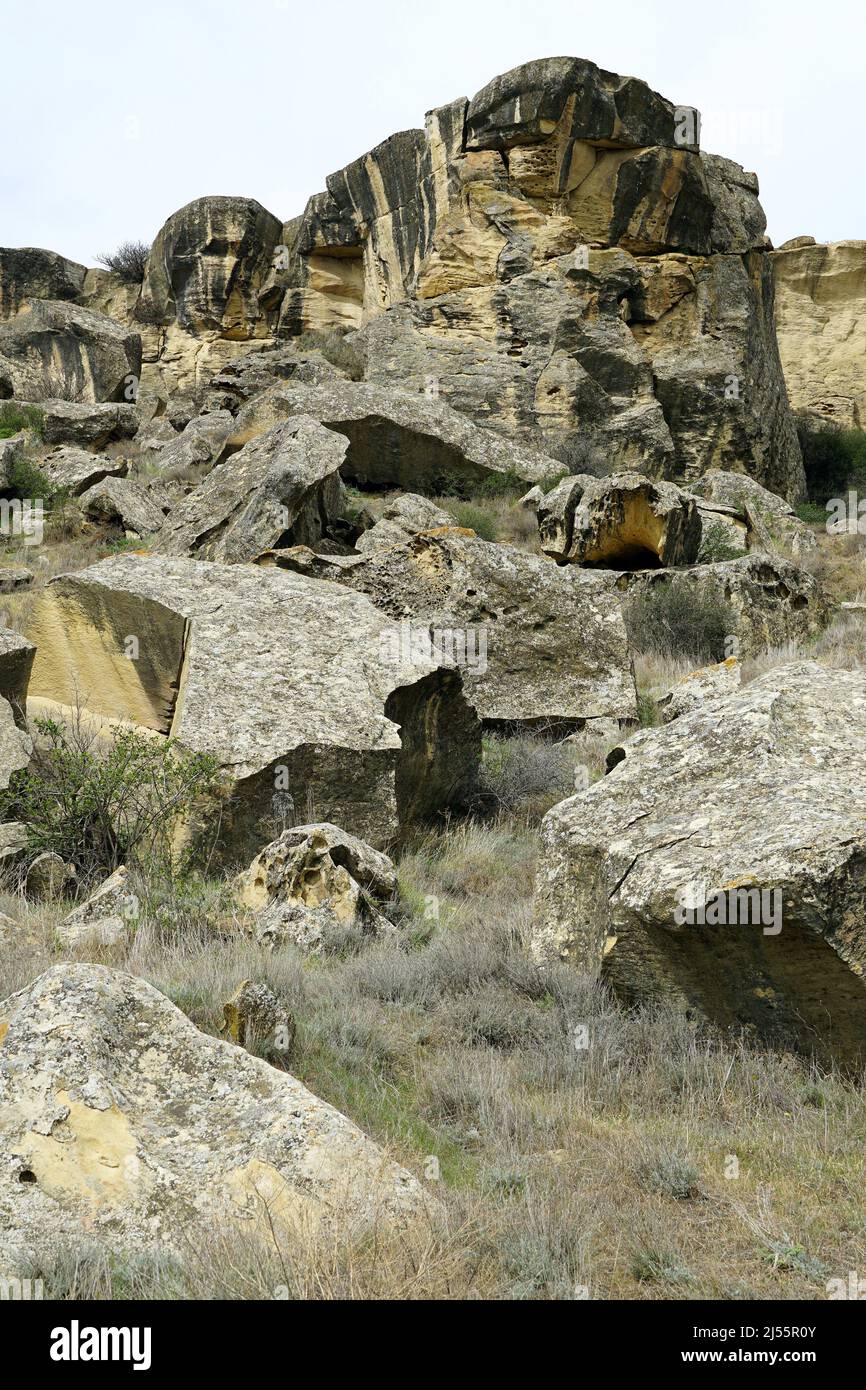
(74, 470)
(536, 644)
(766, 520)
(279, 677)
(625, 521)
(283, 488)
(56, 349)
(89, 424)
(121, 1122)
(16, 664)
(125, 503)
(397, 439)
(29, 272)
(315, 882)
(106, 917)
(401, 519)
(720, 865)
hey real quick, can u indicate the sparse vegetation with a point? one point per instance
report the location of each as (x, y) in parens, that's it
(129, 261)
(679, 620)
(834, 460)
(334, 346)
(14, 418)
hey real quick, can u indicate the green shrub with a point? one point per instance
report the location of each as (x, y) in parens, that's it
(99, 803)
(834, 460)
(14, 418)
(474, 518)
(813, 513)
(679, 620)
(26, 481)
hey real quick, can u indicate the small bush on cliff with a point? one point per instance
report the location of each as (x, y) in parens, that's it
(129, 261)
(100, 803)
(679, 620)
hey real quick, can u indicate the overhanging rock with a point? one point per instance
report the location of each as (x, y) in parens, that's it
(625, 521)
(282, 678)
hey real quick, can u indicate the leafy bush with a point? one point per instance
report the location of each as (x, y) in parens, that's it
(834, 460)
(100, 803)
(474, 518)
(14, 418)
(26, 481)
(679, 620)
(129, 261)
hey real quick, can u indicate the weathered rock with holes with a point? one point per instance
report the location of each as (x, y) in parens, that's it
(759, 791)
(125, 503)
(396, 439)
(820, 315)
(107, 916)
(537, 644)
(122, 1123)
(283, 488)
(277, 676)
(56, 349)
(314, 882)
(768, 600)
(624, 521)
(28, 273)
(699, 686)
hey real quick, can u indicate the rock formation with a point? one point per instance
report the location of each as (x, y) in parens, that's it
(820, 316)
(282, 678)
(93, 1061)
(756, 792)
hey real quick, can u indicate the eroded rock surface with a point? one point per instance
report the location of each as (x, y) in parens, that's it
(53, 348)
(760, 790)
(280, 677)
(820, 325)
(622, 522)
(121, 1122)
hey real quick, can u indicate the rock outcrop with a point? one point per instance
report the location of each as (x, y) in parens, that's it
(537, 644)
(736, 511)
(121, 1122)
(107, 916)
(622, 522)
(28, 273)
(56, 349)
(821, 325)
(283, 488)
(280, 677)
(16, 664)
(720, 864)
(125, 503)
(315, 882)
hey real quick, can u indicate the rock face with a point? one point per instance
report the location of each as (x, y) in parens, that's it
(397, 439)
(758, 791)
(207, 267)
(280, 677)
(316, 881)
(28, 273)
(770, 600)
(54, 349)
(16, 746)
(75, 470)
(536, 644)
(16, 663)
(621, 522)
(283, 488)
(820, 325)
(751, 518)
(119, 1117)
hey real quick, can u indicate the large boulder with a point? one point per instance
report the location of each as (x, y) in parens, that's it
(87, 425)
(124, 503)
(207, 266)
(721, 864)
(537, 644)
(283, 488)
(55, 349)
(121, 1122)
(397, 439)
(279, 677)
(74, 470)
(769, 601)
(765, 520)
(28, 273)
(401, 518)
(621, 522)
(820, 318)
(16, 745)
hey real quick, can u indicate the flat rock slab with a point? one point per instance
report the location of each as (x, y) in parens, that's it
(282, 678)
(537, 644)
(759, 791)
(397, 439)
(120, 1121)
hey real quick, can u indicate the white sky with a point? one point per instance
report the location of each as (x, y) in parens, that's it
(114, 114)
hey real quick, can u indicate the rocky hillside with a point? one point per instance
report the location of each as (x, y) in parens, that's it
(427, 723)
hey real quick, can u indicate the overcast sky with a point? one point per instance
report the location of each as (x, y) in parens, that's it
(114, 115)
